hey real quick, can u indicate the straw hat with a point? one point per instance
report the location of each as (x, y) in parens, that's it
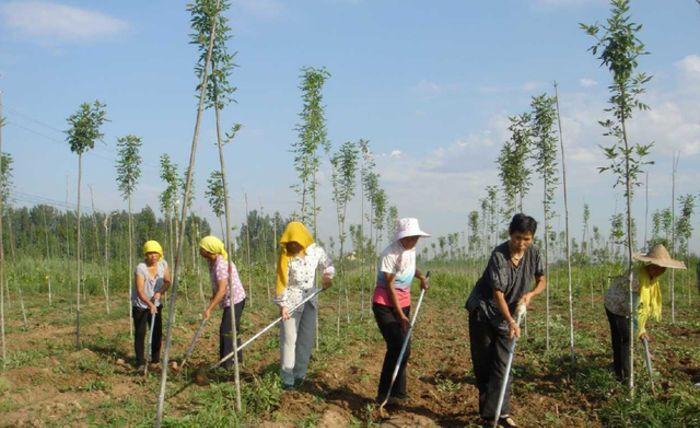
(408, 227)
(660, 257)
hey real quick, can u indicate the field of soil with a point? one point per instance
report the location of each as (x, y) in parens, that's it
(47, 382)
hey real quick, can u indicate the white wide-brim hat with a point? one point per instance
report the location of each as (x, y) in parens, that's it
(406, 227)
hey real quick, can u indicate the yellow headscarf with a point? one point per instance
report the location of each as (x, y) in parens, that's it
(213, 245)
(294, 232)
(152, 247)
(649, 298)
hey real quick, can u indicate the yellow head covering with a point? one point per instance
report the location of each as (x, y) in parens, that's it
(649, 298)
(152, 247)
(294, 232)
(212, 244)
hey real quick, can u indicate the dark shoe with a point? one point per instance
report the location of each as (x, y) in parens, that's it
(288, 387)
(486, 423)
(396, 401)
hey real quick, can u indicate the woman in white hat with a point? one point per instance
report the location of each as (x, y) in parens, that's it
(391, 303)
(646, 295)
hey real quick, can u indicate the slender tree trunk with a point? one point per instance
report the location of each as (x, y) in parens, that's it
(97, 249)
(628, 197)
(2, 262)
(21, 305)
(566, 223)
(106, 254)
(131, 271)
(546, 264)
(646, 208)
(77, 256)
(46, 234)
(247, 251)
(361, 251)
(338, 300)
(188, 184)
(673, 237)
(227, 213)
(10, 230)
(199, 279)
(318, 301)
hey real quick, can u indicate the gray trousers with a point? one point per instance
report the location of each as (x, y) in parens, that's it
(297, 335)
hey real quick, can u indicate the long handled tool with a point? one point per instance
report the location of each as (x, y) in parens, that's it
(190, 348)
(150, 344)
(403, 349)
(647, 359)
(264, 330)
(519, 315)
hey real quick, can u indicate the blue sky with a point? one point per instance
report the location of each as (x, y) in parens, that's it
(430, 84)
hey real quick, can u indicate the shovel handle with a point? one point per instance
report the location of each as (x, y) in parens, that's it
(190, 348)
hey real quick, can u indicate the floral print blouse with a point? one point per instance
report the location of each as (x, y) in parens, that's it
(218, 272)
(302, 272)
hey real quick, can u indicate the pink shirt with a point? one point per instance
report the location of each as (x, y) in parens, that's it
(381, 296)
(219, 272)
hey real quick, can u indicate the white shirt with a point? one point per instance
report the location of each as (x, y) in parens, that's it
(301, 275)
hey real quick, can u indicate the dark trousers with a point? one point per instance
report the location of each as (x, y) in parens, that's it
(142, 325)
(489, 348)
(390, 326)
(620, 333)
(226, 336)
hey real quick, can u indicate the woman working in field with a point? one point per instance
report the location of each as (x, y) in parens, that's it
(223, 273)
(296, 270)
(646, 294)
(391, 303)
(505, 284)
(151, 279)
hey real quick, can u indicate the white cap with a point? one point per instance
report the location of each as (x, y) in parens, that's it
(408, 227)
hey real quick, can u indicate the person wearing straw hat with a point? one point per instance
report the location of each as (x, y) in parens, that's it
(506, 283)
(298, 261)
(391, 303)
(151, 280)
(646, 296)
(220, 268)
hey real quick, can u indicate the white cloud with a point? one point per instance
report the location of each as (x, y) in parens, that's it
(532, 85)
(395, 153)
(57, 22)
(690, 65)
(427, 88)
(586, 82)
(264, 9)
